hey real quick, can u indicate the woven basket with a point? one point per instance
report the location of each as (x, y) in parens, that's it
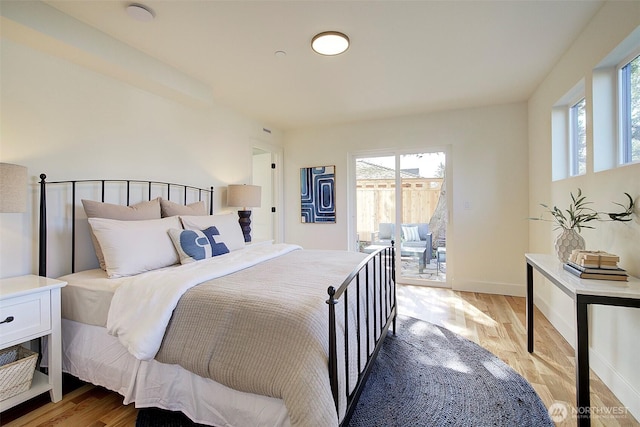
(17, 365)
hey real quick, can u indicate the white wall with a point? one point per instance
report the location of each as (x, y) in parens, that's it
(485, 243)
(76, 119)
(614, 347)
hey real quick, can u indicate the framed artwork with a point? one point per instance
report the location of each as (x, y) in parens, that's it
(318, 194)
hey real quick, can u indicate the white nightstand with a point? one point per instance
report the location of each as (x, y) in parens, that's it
(34, 304)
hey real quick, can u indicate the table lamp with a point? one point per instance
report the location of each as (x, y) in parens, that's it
(13, 188)
(245, 196)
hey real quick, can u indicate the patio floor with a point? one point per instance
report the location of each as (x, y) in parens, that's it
(410, 269)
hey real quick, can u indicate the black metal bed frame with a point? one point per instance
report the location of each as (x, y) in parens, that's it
(103, 182)
(379, 275)
(384, 314)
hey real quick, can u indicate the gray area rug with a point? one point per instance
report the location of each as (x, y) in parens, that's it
(426, 375)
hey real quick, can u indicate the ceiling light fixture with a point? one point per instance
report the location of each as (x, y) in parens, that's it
(330, 43)
(140, 12)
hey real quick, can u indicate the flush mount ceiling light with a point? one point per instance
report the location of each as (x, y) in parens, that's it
(140, 12)
(330, 43)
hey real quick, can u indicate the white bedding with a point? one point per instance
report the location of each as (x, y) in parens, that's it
(140, 327)
(87, 296)
(264, 330)
(92, 355)
(157, 293)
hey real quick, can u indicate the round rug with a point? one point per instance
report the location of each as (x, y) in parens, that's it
(426, 375)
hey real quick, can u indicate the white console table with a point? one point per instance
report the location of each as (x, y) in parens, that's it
(583, 292)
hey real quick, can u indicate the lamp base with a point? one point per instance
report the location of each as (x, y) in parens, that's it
(245, 224)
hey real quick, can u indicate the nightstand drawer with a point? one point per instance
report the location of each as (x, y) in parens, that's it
(31, 315)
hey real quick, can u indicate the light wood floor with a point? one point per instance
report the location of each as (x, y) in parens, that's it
(496, 322)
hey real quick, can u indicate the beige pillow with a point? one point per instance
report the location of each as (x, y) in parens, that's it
(133, 247)
(227, 225)
(169, 208)
(140, 211)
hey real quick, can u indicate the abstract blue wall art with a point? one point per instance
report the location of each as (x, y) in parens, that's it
(318, 194)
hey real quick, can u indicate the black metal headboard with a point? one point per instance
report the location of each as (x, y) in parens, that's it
(197, 194)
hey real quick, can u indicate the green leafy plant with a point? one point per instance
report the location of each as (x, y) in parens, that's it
(579, 214)
(625, 215)
(576, 216)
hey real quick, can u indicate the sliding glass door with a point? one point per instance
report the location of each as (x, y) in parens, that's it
(401, 197)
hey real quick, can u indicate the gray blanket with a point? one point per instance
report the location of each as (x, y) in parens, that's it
(264, 330)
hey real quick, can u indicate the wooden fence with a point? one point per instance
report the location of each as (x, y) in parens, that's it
(376, 202)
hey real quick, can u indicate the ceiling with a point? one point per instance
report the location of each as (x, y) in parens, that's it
(406, 57)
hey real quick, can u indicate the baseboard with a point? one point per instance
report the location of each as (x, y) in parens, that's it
(567, 330)
(625, 392)
(489, 288)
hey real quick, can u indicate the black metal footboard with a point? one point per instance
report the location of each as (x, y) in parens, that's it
(372, 283)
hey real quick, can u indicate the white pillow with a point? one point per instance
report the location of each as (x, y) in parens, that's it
(133, 247)
(140, 211)
(196, 245)
(227, 225)
(411, 233)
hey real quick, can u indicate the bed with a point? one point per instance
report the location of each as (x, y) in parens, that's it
(260, 334)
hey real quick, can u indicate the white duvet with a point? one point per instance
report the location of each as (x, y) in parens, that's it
(142, 307)
(277, 308)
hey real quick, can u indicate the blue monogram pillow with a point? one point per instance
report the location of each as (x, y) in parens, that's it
(196, 245)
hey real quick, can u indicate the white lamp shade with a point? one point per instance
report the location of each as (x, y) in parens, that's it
(13, 188)
(246, 196)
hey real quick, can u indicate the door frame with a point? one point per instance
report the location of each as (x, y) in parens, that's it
(277, 180)
(352, 216)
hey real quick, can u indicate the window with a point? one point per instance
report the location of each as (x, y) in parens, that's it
(630, 111)
(615, 106)
(569, 134)
(577, 138)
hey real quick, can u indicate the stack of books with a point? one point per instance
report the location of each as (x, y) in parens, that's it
(595, 265)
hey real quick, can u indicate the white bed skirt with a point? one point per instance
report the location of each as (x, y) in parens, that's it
(92, 355)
